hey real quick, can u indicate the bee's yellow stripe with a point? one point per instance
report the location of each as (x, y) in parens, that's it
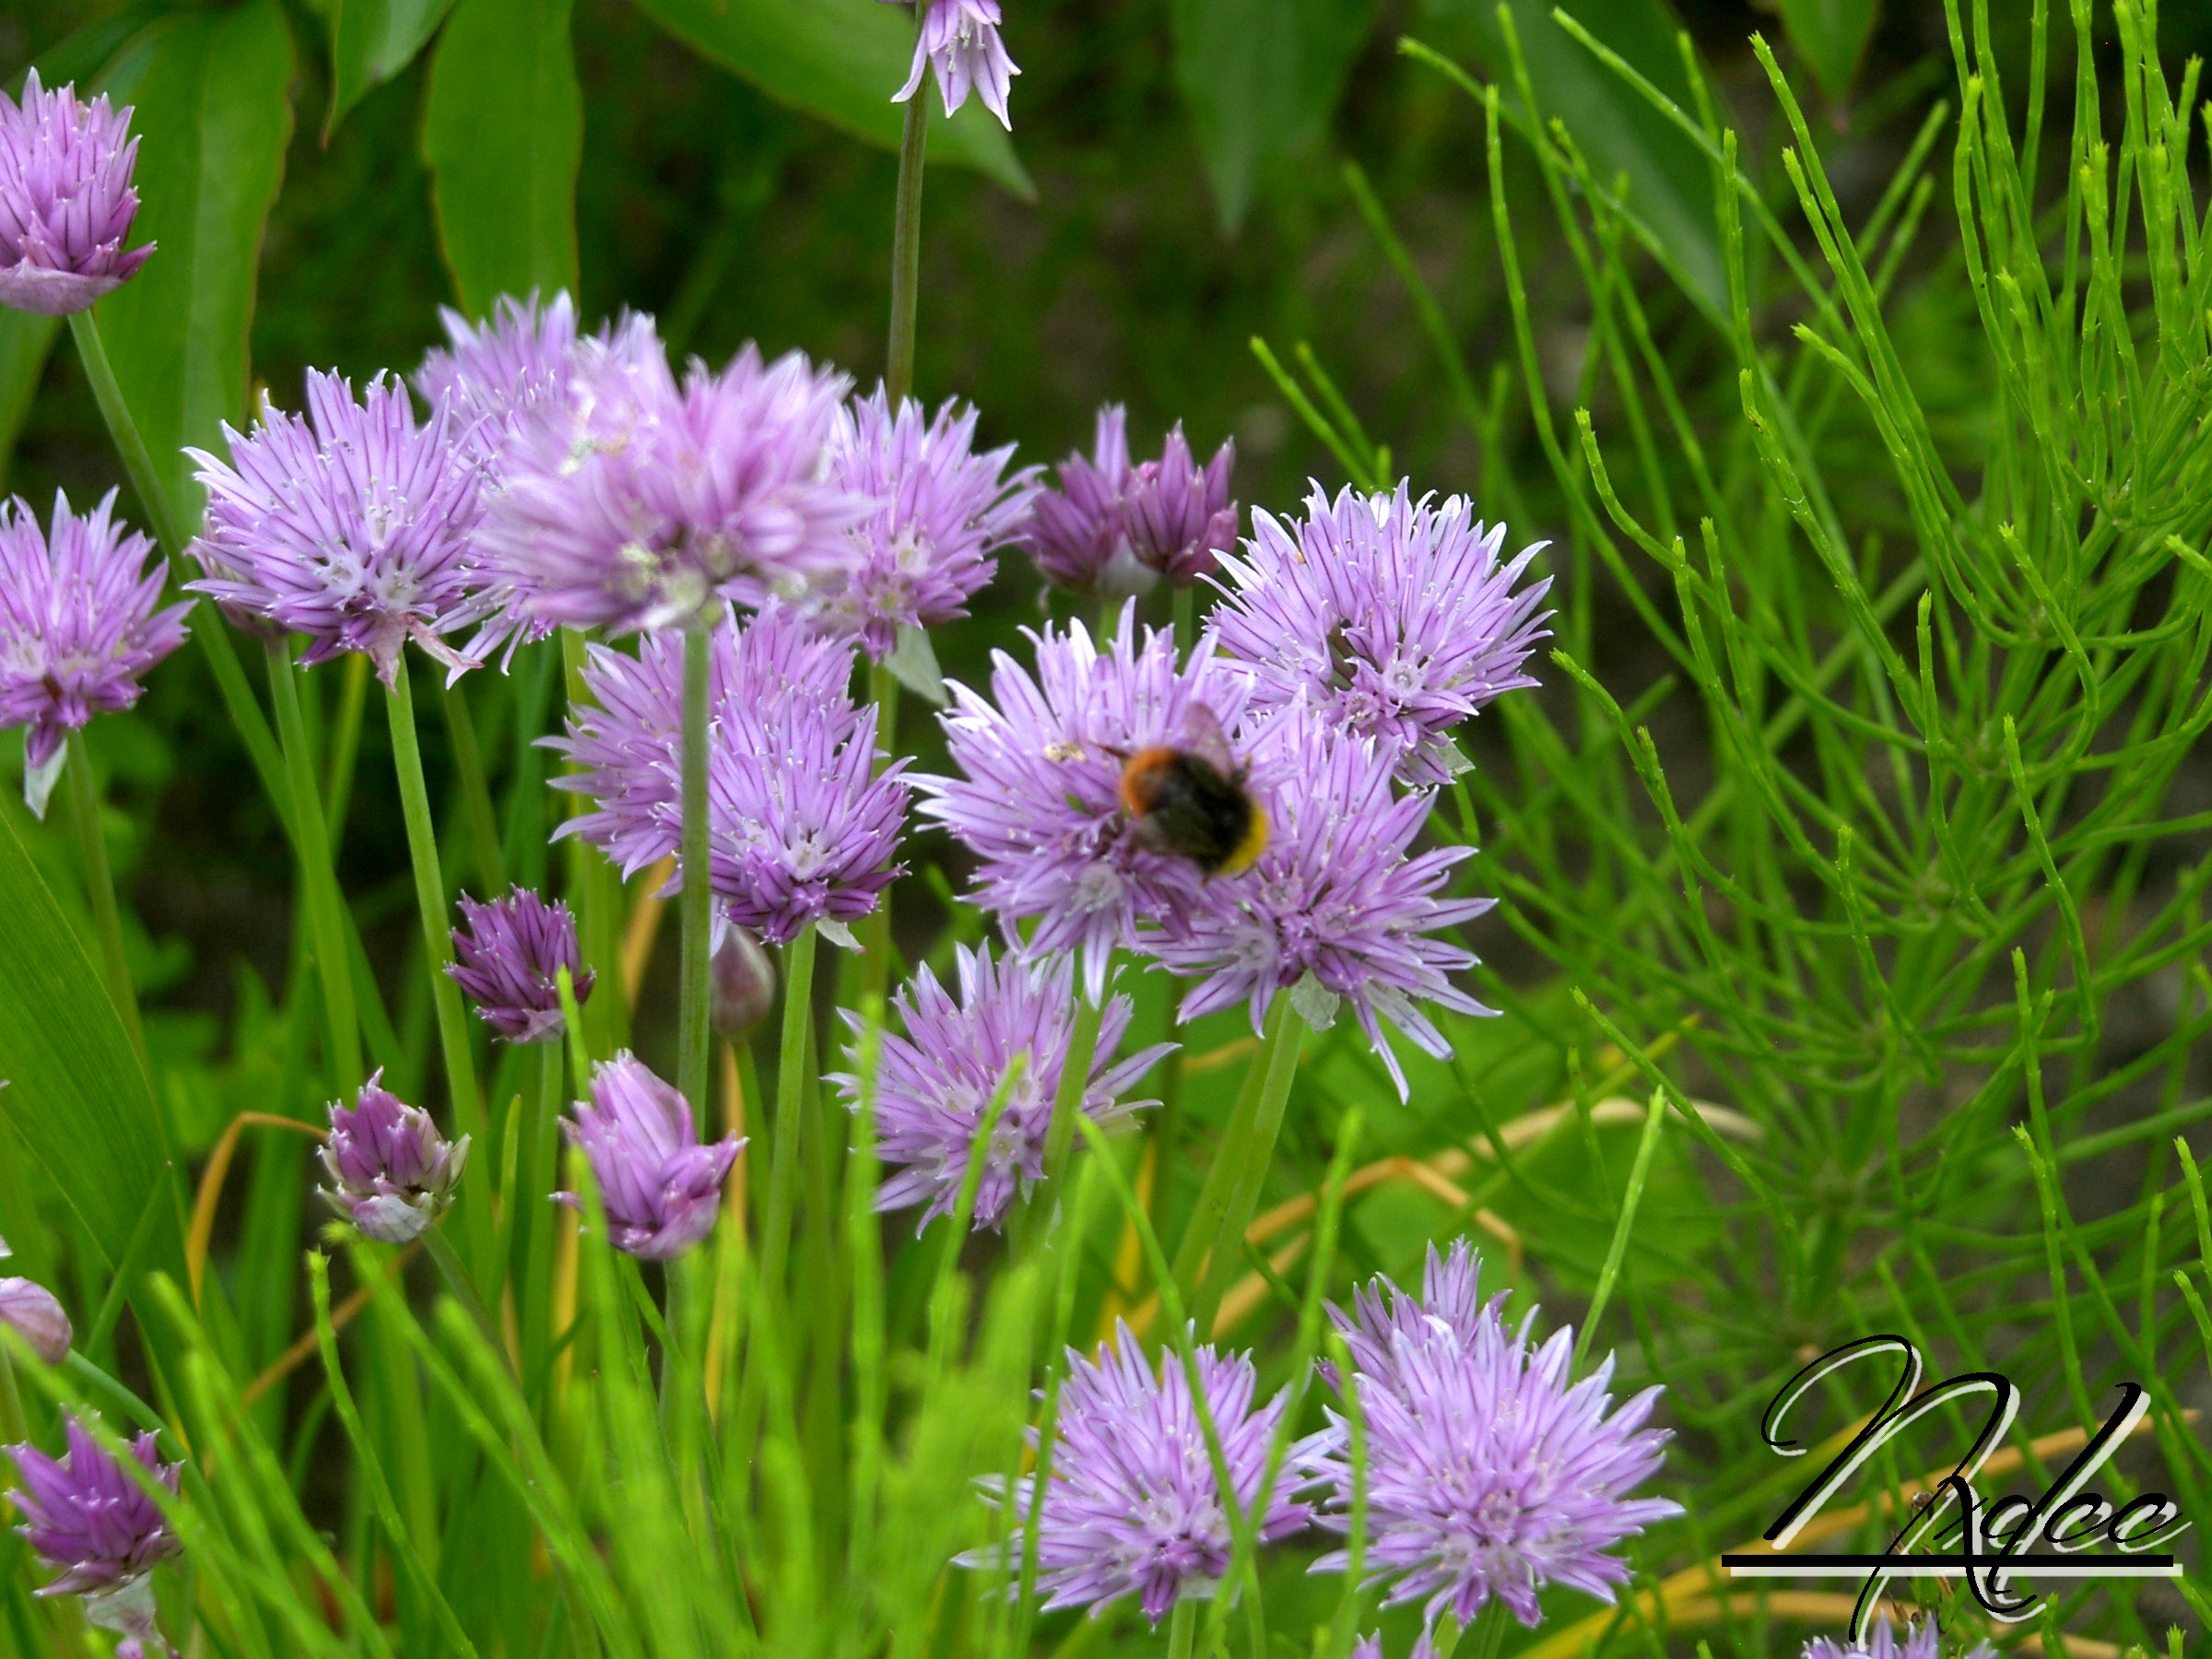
(1253, 843)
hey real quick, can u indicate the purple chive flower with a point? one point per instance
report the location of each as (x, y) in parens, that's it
(507, 957)
(1112, 529)
(490, 377)
(1180, 518)
(942, 512)
(37, 1317)
(90, 1519)
(627, 743)
(959, 39)
(392, 1173)
(802, 826)
(1922, 1639)
(1038, 795)
(637, 502)
(353, 525)
(1079, 533)
(1395, 617)
(79, 627)
(1134, 1506)
(66, 202)
(1488, 1473)
(660, 1187)
(1336, 894)
(935, 1086)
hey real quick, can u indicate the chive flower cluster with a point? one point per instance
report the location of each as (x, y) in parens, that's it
(1489, 1472)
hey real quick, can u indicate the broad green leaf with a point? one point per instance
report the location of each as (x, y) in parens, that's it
(214, 115)
(76, 1095)
(503, 135)
(840, 60)
(1669, 182)
(1831, 35)
(1262, 78)
(371, 41)
(25, 341)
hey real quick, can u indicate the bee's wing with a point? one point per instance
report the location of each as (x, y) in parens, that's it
(1204, 737)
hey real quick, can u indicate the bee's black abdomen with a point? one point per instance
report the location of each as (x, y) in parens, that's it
(1184, 804)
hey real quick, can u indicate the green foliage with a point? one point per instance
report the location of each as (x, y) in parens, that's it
(212, 90)
(1853, 859)
(1262, 77)
(502, 132)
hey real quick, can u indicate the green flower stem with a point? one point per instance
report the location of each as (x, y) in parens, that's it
(1183, 1624)
(438, 949)
(475, 792)
(869, 973)
(1210, 1256)
(439, 1248)
(534, 1192)
(791, 1102)
(311, 845)
(906, 242)
(1067, 1106)
(694, 1047)
(137, 461)
(207, 625)
(595, 891)
(1186, 618)
(345, 748)
(100, 887)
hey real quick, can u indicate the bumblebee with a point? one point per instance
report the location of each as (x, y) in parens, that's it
(1190, 799)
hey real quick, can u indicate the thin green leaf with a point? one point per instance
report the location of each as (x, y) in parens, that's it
(1831, 35)
(214, 116)
(503, 135)
(1262, 78)
(76, 1094)
(371, 41)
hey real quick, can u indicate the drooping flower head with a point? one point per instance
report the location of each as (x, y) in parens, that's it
(353, 525)
(1079, 533)
(1037, 798)
(37, 1317)
(66, 202)
(1336, 893)
(80, 626)
(507, 956)
(1396, 617)
(90, 1519)
(1921, 1639)
(1113, 529)
(801, 826)
(935, 1085)
(1179, 517)
(391, 1173)
(1134, 1504)
(660, 1187)
(1489, 1472)
(959, 39)
(942, 513)
(635, 501)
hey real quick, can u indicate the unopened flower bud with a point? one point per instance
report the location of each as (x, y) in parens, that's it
(744, 985)
(394, 1174)
(661, 1189)
(38, 1318)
